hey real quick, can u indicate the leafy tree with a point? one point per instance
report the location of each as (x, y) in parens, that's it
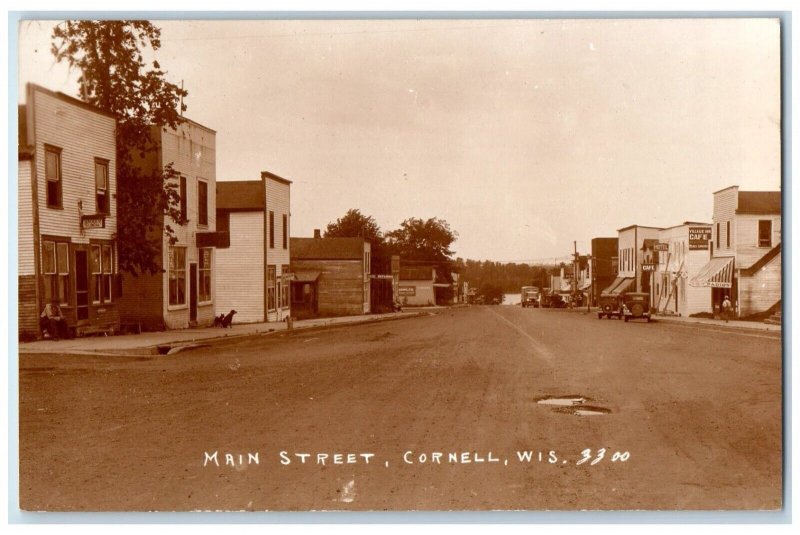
(427, 240)
(354, 224)
(115, 78)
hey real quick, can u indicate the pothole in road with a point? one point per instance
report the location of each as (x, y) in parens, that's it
(562, 401)
(572, 404)
(584, 410)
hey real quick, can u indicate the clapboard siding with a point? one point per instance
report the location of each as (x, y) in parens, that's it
(747, 250)
(725, 203)
(340, 287)
(278, 201)
(240, 269)
(82, 135)
(681, 265)
(27, 307)
(191, 149)
(762, 290)
(25, 247)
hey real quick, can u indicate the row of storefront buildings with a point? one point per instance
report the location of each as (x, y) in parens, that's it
(690, 268)
(232, 247)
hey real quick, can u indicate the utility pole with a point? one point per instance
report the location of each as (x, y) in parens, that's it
(575, 265)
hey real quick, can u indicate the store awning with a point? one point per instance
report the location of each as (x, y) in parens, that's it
(718, 273)
(619, 286)
(305, 276)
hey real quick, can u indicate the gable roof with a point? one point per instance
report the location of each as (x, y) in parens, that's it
(759, 202)
(240, 195)
(327, 248)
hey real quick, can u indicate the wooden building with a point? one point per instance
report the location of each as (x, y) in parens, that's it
(332, 276)
(183, 295)
(417, 284)
(630, 243)
(67, 251)
(745, 259)
(681, 252)
(253, 274)
(603, 265)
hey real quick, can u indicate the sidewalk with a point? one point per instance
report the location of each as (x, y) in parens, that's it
(155, 343)
(733, 324)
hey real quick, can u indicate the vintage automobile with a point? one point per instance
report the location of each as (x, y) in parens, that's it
(637, 306)
(529, 297)
(551, 299)
(610, 306)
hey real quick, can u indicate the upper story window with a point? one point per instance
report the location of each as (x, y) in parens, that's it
(719, 240)
(184, 200)
(285, 231)
(728, 234)
(765, 233)
(202, 202)
(271, 229)
(103, 204)
(52, 172)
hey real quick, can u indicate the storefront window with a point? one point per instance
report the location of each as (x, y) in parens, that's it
(271, 287)
(177, 276)
(205, 275)
(55, 269)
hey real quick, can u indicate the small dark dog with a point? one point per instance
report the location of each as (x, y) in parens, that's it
(224, 320)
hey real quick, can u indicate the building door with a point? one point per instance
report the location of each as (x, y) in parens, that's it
(82, 285)
(193, 292)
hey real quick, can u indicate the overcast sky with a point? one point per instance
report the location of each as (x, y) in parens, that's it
(523, 134)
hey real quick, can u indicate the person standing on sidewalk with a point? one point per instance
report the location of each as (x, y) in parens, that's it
(727, 308)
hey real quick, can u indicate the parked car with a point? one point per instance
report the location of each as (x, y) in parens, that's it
(637, 306)
(553, 300)
(610, 306)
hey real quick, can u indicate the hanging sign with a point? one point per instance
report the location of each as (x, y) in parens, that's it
(93, 221)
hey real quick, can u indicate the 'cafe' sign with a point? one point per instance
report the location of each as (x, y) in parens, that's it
(699, 238)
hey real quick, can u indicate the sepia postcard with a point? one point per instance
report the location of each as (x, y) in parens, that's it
(399, 264)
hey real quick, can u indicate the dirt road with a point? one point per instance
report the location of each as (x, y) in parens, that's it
(688, 418)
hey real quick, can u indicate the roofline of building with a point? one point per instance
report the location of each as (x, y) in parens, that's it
(638, 226)
(204, 127)
(687, 223)
(273, 176)
(71, 100)
(724, 189)
(238, 182)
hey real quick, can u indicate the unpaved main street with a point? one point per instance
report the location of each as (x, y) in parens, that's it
(698, 411)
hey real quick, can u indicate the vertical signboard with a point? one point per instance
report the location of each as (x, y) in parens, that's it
(699, 238)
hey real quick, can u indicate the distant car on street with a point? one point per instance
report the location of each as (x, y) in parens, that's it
(529, 297)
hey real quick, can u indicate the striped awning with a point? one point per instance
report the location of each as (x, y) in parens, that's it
(718, 273)
(619, 286)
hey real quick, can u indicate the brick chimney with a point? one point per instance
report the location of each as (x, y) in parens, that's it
(317, 234)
